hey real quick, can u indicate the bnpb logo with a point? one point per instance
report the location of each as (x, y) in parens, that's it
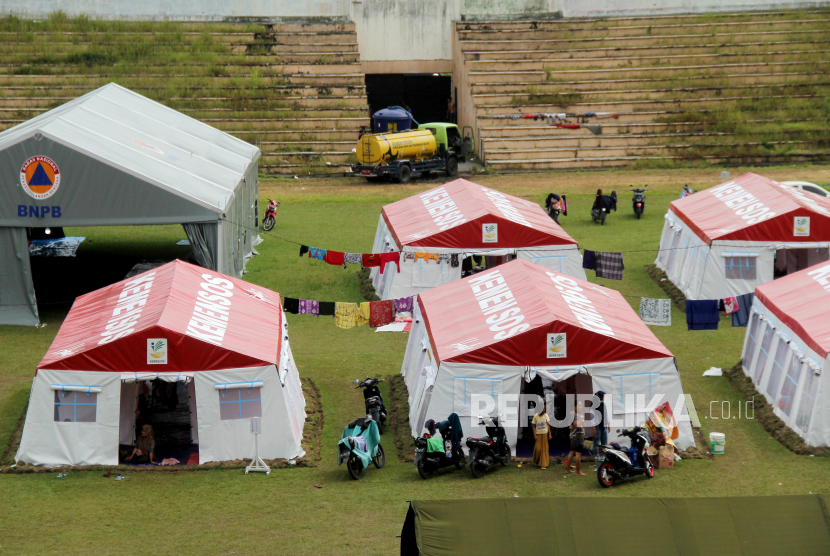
(40, 177)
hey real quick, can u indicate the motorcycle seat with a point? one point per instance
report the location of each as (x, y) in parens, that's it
(486, 439)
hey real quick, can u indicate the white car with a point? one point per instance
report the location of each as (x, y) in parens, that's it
(807, 186)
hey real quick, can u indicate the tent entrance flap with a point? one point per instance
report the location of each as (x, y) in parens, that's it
(204, 241)
(17, 291)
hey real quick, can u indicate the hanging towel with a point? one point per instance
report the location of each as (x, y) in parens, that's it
(741, 316)
(353, 258)
(393, 257)
(371, 260)
(589, 260)
(309, 307)
(656, 312)
(335, 258)
(291, 305)
(364, 313)
(730, 305)
(427, 256)
(381, 313)
(319, 254)
(327, 308)
(610, 265)
(702, 314)
(345, 314)
(303, 250)
(404, 304)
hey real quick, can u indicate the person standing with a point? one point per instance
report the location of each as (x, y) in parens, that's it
(577, 442)
(602, 428)
(541, 426)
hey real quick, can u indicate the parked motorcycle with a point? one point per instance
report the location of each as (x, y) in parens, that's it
(488, 450)
(359, 446)
(433, 452)
(603, 204)
(620, 463)
(556, 205)
(686, 191)
(638, 202)
(270, 215)
(373, 400)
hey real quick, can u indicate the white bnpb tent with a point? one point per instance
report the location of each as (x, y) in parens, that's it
(728, 239)
(786, 350)
(436, 231)
(224, 338)
(490, 333)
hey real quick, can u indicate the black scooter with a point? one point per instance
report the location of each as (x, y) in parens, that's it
(488, 450)
(603, 205)
(430, 462)
(638, 202)
(373, 400)
(556, 205)
(620, 463)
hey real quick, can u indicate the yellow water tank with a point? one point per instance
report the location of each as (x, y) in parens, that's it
(383, 148)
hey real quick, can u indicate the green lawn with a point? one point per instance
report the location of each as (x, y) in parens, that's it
(227, 512)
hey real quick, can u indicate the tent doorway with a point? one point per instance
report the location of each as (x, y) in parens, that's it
(170, 408)
(555, 394)
(788, 261)
(425, 94)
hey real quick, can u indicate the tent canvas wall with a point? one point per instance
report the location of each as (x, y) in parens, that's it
(728, 239)
(115, 158)
(464, 218)
(224, 336)
(785, 350)
(486, 333)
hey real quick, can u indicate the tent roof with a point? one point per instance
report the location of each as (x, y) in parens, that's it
(142, 137)
(599, 324)
(451, 215)
(753, 208)
(800, 301)
(252, 323)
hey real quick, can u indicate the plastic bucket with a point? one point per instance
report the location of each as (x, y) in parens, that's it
(717, 443)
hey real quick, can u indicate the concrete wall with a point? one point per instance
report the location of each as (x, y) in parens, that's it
(607, 8)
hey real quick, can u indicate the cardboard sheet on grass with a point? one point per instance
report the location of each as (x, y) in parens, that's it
(590, 526)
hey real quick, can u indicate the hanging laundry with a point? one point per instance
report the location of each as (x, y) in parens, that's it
(610, 265)
(327, 308)
(721, 306)
(309, 307)
(427, 257)
(528, 116)
(741, 316)
(454, 260)
(656, 312)
(345, 314)
(589, 114)
(601, 115)
(393, 257)
(730, 305)
(353, 258)
(404, 304)
(335, 257)
(364, 313)
(319, 254)
(291, 305)
(371, 260)
(381, 313)
(589, 260)
(702, 314)
(303, 250)
(409, 256)
(568, 126)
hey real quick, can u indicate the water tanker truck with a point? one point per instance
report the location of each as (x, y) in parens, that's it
(436, 147)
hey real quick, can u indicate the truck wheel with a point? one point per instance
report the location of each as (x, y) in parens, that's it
(452, 167)
(404, 173)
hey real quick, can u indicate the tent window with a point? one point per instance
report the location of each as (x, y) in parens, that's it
(240, 403)
(808, 399)
(778, 367)
(467, 387)
(751, 342)
(75, 407)
(740, 267)
(785, 401)
(553, 262)
(763, 355)
(630, 390)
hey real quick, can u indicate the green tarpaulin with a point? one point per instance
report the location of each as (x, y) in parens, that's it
(751, 526)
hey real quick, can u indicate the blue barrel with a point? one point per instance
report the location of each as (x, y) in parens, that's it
(391, 119)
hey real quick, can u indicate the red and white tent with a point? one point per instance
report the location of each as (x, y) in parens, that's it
(484, 333)
(463, 218)
(224, 337)
(728, 239)
(785, 350)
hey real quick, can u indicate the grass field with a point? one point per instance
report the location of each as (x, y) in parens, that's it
(226, 512)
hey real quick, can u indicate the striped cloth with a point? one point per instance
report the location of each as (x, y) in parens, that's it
(610, 265)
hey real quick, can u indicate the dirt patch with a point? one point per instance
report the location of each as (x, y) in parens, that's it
(312, 432)
(399, 419)
(367, 290)
(665, 284)
(765, 415)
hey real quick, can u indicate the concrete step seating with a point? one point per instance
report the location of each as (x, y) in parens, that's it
(684, 88)
(296, 90)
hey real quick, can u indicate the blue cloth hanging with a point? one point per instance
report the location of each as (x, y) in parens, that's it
(702, 314)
